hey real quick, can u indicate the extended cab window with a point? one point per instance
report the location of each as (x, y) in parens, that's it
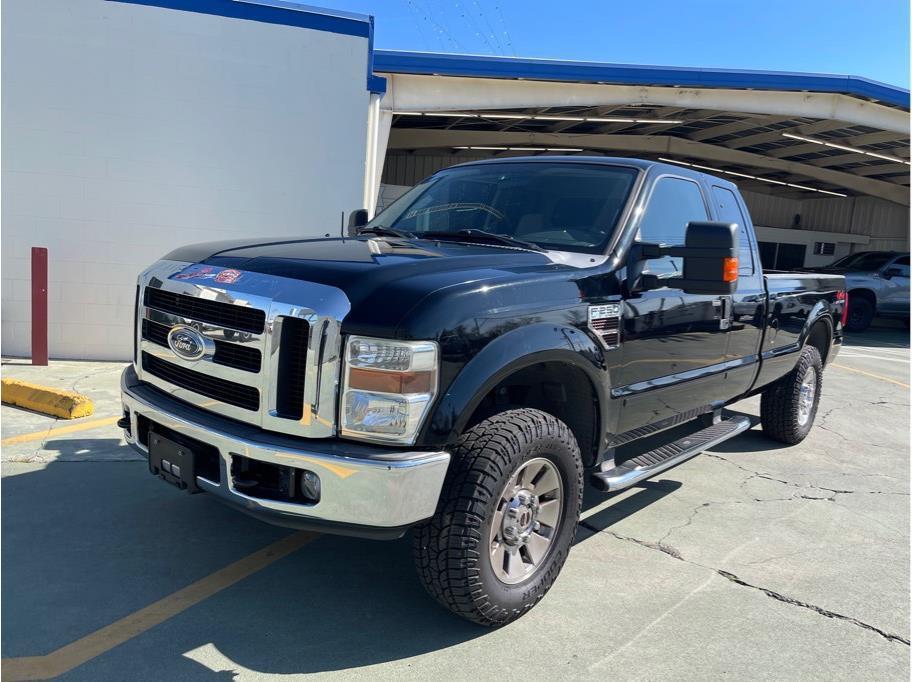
(730, 212)
(560, 206)
(674, 203)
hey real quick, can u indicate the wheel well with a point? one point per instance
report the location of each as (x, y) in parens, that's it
(819, 337)
(560, 389)
(866, 294)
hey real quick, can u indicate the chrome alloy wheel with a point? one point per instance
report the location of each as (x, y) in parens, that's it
(807, 392)
(526, 520)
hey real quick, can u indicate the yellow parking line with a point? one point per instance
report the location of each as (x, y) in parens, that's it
(39, 435)
(101, 641)
(871, 374)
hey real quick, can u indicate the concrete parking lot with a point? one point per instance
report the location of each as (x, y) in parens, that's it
(750, 561)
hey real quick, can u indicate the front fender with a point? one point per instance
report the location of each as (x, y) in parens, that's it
(503, 356)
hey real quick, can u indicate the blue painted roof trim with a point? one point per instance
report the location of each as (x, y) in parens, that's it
(285, 13)
(375, 84)
(431, 63)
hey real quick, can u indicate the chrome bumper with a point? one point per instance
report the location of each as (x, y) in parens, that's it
(362, 489)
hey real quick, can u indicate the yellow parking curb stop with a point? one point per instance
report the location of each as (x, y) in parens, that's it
(52, 401)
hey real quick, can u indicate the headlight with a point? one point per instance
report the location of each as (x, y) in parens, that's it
(388, 388)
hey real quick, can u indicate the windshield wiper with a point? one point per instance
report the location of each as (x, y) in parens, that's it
(479, 235)
(386, 231)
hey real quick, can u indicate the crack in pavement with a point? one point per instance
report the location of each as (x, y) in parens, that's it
(793, 484)
(674, 553)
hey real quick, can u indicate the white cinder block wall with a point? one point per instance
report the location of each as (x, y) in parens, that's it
(129, 130)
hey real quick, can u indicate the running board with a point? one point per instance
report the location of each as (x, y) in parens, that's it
(661, 459)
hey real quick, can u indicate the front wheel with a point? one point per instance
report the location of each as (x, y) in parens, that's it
(788, 407)
(506, 518)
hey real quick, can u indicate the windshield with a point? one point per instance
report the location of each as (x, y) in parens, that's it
(868, 260)
(558, 206)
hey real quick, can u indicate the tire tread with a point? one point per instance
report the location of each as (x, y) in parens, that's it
(778, 402)
(446, 547)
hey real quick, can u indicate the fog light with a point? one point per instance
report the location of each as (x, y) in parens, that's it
(310, 486)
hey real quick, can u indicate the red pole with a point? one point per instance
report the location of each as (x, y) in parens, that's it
(39, 305)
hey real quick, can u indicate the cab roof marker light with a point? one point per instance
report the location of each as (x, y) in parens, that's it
(845, 148)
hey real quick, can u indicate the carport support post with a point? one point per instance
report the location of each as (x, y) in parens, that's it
(39, 305)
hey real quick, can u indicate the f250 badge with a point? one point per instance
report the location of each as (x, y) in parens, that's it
(187, 343)
(605, 321)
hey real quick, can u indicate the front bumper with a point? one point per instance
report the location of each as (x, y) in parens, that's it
(365, 491)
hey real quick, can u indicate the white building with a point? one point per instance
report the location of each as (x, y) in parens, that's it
(132, 127)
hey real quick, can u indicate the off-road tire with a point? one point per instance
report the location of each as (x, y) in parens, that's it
(451, 549)
(861, 314)
(779, 402)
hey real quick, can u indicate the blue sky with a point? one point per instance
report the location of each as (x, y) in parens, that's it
(867, 38)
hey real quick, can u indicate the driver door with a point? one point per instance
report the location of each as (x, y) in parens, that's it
(673, 343)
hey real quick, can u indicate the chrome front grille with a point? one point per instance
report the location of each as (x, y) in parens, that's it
(226, 352)
(276, 344)
(230, 392)
(224, 315)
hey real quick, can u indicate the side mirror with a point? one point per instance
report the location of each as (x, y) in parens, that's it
(891, 272)
(710, 254)
(356, 220)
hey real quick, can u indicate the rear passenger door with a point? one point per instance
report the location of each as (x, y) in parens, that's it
(746, 308)
(672, 341)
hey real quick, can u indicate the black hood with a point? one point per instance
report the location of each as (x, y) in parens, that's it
(382, 277)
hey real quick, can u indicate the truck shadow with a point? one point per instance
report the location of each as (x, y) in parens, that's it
(87, 543)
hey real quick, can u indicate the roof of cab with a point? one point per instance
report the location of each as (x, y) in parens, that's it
(641, 164)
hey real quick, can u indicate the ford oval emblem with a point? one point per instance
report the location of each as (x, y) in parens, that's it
(187, 343)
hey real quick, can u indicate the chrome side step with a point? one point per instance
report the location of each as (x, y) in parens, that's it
(661, 459)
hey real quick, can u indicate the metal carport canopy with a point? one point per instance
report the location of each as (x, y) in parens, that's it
(789, 134)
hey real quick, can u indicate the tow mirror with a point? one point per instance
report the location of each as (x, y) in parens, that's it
(356, 220)
(710, 255)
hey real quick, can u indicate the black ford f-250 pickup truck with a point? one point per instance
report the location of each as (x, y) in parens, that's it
(457, 365)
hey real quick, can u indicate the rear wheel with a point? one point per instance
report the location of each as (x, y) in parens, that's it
(861, 313)
(506, 518)
(788, 407)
